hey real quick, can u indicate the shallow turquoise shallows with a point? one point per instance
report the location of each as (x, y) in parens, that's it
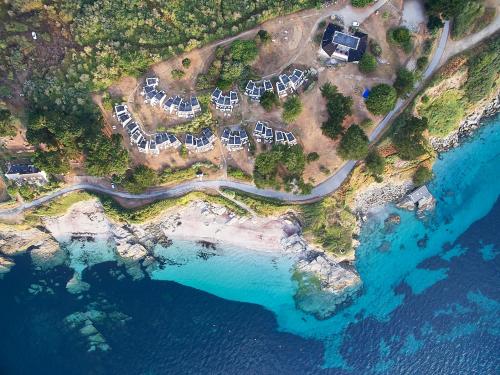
(466, 185)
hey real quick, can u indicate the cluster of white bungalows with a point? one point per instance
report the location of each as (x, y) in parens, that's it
(234, 139)
(203, 143)
(224, 102)
(148, 144)
(184, 108)
(255, 90)
(289, 83)
(264, 133)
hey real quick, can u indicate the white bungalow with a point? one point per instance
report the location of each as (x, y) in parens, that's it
(152, 147)
(281, 89)
(152, 81)
(290, 139)
(158, 99)
(121, 109)
(268, 86)
(124, 119)
(22, 173)
(195, 104)
(279, 137)
(296, 78)
(143, 145)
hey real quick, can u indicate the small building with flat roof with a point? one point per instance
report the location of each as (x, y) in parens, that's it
(25, 173)
(343, 46)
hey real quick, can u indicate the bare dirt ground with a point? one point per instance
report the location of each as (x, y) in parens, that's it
(292, 45)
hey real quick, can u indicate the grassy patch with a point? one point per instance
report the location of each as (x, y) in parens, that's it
(331, 224)
(58, 206)
(238, 174)
(443, 112)
(261, 206)
(140, 215)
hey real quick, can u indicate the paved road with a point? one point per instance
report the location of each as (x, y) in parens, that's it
(325, 188)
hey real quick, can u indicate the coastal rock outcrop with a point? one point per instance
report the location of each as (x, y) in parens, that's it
(324, 285)
(45, 250)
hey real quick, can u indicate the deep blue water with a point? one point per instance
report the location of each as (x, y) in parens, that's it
(427, 308)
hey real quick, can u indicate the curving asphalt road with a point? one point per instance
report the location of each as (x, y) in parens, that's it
(325, 188)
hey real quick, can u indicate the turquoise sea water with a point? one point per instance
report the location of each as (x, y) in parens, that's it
(467, 185)
(430, 302)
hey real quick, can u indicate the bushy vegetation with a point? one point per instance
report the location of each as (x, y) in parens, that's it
(231, 65)
(354, 144)
(422, 63)
(361, 3)
(269, 100)
(292, 108)
(186, 62)
(281, 163)
(140, 178)
(331, 223)
(177, 73)
(483, 70)
(382, 99)
(171, 175)
(338, 107)
(408, 136)
(260, 205)
(375, 163)
(52, 162)
(422, 176)
(405, 80)
(367, 64)
(106, 157)
(7, 123)
(443, 112)
(464, 22)
(238, 174)
(312, 156)
(375, 48)
(264, 36)
(401, 36)
(153, 210)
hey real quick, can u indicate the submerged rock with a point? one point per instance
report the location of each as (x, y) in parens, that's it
(76, 286)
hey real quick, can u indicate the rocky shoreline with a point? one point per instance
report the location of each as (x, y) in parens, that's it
(64, 240)
(467, 127)
(376, 195)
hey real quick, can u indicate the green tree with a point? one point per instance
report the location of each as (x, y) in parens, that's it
(422, 62)
(269, 100)
(186, 62)
(141, 178)
(402, 37)
(375, 48)
(434, 23)
(354, 144)
(422, 175)
(292, 109)
(405, 80)
(264, 36)
(338, 107)
(7, 127)
(375, 163)
(244, 51)
(447, 8)
(382, 99)
(408, 137)
(53, 162)
(106, 157)
(312, 156)
(367, 64)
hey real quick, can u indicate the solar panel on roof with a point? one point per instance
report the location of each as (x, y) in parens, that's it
(345, 40)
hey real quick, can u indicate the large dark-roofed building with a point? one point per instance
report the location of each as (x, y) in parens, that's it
(343, 46)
